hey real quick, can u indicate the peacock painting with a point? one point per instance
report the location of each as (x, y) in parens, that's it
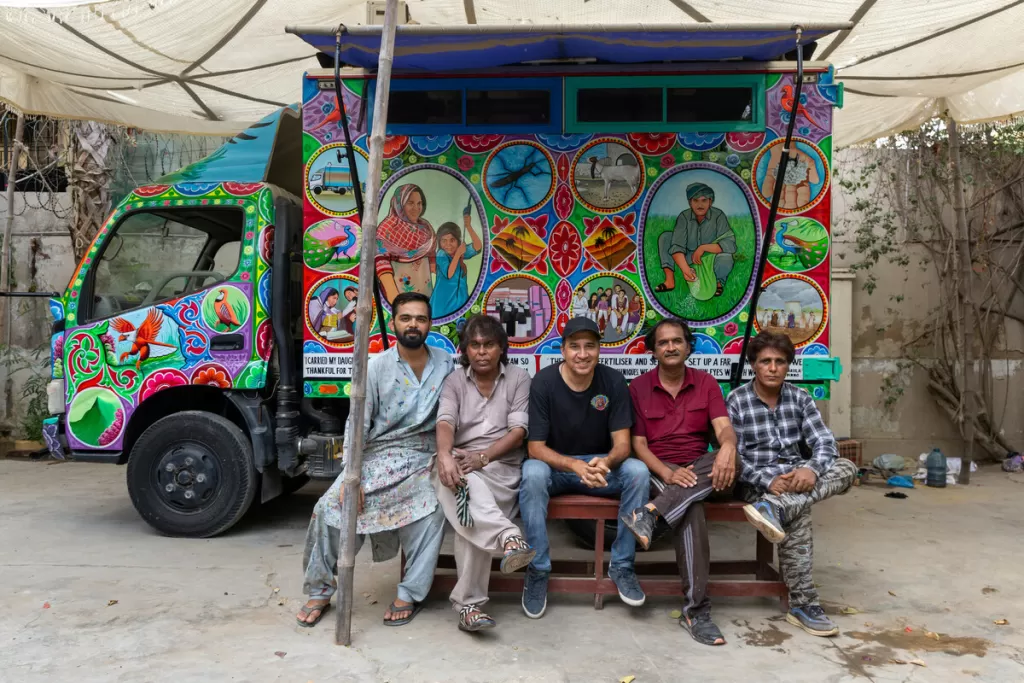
(798, 244)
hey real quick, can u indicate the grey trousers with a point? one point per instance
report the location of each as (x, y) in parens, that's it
(420, 540)
(493, 502)
(796, 551)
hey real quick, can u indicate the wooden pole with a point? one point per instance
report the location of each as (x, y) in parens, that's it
(368, 250)
(966, 336)
(12, 170)
(5, 258)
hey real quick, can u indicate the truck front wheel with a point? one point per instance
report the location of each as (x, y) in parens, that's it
(191, 474)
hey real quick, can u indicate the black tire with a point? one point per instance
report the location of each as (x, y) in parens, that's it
(191, 474)
(585, 531)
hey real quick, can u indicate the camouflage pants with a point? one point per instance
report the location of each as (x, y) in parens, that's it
(796, 551)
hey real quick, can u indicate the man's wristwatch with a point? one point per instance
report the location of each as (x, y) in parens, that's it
(483, 460)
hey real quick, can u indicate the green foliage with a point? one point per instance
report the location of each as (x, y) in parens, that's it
(872, 223)
(36, 363)
(895, 383)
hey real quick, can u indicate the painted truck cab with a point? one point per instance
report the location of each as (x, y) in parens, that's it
(169, 311)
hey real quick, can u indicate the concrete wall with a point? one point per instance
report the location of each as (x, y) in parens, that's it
(881, 325)
(48, 264)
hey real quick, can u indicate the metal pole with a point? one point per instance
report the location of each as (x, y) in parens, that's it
(966, 335)
(367, 252)
(788, 152)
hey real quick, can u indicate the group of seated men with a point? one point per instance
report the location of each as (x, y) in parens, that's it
(448, 444)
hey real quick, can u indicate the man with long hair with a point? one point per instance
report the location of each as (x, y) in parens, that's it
(482, 422)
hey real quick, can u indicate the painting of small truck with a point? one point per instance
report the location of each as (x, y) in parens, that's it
(336, 179)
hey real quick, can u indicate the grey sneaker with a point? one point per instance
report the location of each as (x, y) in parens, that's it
(628, 585)
(767, 519)
(813, 620)
(641, 522)
(535, 593)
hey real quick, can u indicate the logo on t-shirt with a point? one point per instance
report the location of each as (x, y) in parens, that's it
(600, 402)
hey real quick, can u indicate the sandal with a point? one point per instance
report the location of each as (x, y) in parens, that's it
(702, 629)
(413, 610)
(309, 609)
(518, 556)
(663, 288)
(719, 289)
(472, 619)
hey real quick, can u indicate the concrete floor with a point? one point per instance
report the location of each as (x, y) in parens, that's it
(943, 561)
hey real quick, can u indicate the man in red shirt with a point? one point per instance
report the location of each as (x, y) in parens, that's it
(675, 410)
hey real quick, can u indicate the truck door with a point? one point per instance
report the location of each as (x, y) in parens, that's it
(166, 302)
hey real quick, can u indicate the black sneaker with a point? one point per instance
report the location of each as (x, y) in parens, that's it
(641, 522)
(535, 593)
(702, 629)
(628, 585)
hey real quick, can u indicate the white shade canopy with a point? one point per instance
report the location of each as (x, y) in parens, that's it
(214, 67)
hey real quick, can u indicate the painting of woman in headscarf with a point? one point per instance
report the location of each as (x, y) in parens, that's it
(406, 245)
(323, 312)
(431, 239)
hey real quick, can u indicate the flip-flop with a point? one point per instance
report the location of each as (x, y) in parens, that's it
(414, 607)
(307, 610)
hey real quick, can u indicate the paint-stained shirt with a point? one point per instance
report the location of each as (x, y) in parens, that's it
(479, 422)
(400, 443)
(769, 440)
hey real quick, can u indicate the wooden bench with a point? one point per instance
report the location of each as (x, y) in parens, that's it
(656, 578)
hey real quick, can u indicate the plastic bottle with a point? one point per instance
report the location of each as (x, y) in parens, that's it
(935, 465)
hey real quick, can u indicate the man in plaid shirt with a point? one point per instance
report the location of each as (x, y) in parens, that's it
(788, 462)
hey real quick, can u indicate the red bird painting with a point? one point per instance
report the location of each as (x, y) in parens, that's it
(787, 104)
(333, 117)
(225, 314)
(144, 336)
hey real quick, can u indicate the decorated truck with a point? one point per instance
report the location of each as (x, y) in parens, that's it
(626, 175)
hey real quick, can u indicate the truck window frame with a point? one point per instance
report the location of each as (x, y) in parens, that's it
(86, 314)
(574, 84)
(552, 86)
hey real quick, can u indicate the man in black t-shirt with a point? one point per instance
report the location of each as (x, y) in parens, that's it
(580, 415)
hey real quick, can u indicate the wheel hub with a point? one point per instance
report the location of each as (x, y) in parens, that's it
(187, 477)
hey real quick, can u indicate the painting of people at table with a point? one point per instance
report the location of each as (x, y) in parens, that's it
(613, 303)
(332, 310)
(419, 250)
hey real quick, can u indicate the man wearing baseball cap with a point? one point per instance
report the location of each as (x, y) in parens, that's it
(580, 416)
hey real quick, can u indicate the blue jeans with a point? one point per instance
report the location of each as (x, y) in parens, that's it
(630, 482)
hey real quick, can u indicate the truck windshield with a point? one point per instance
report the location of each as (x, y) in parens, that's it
(160, 255)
